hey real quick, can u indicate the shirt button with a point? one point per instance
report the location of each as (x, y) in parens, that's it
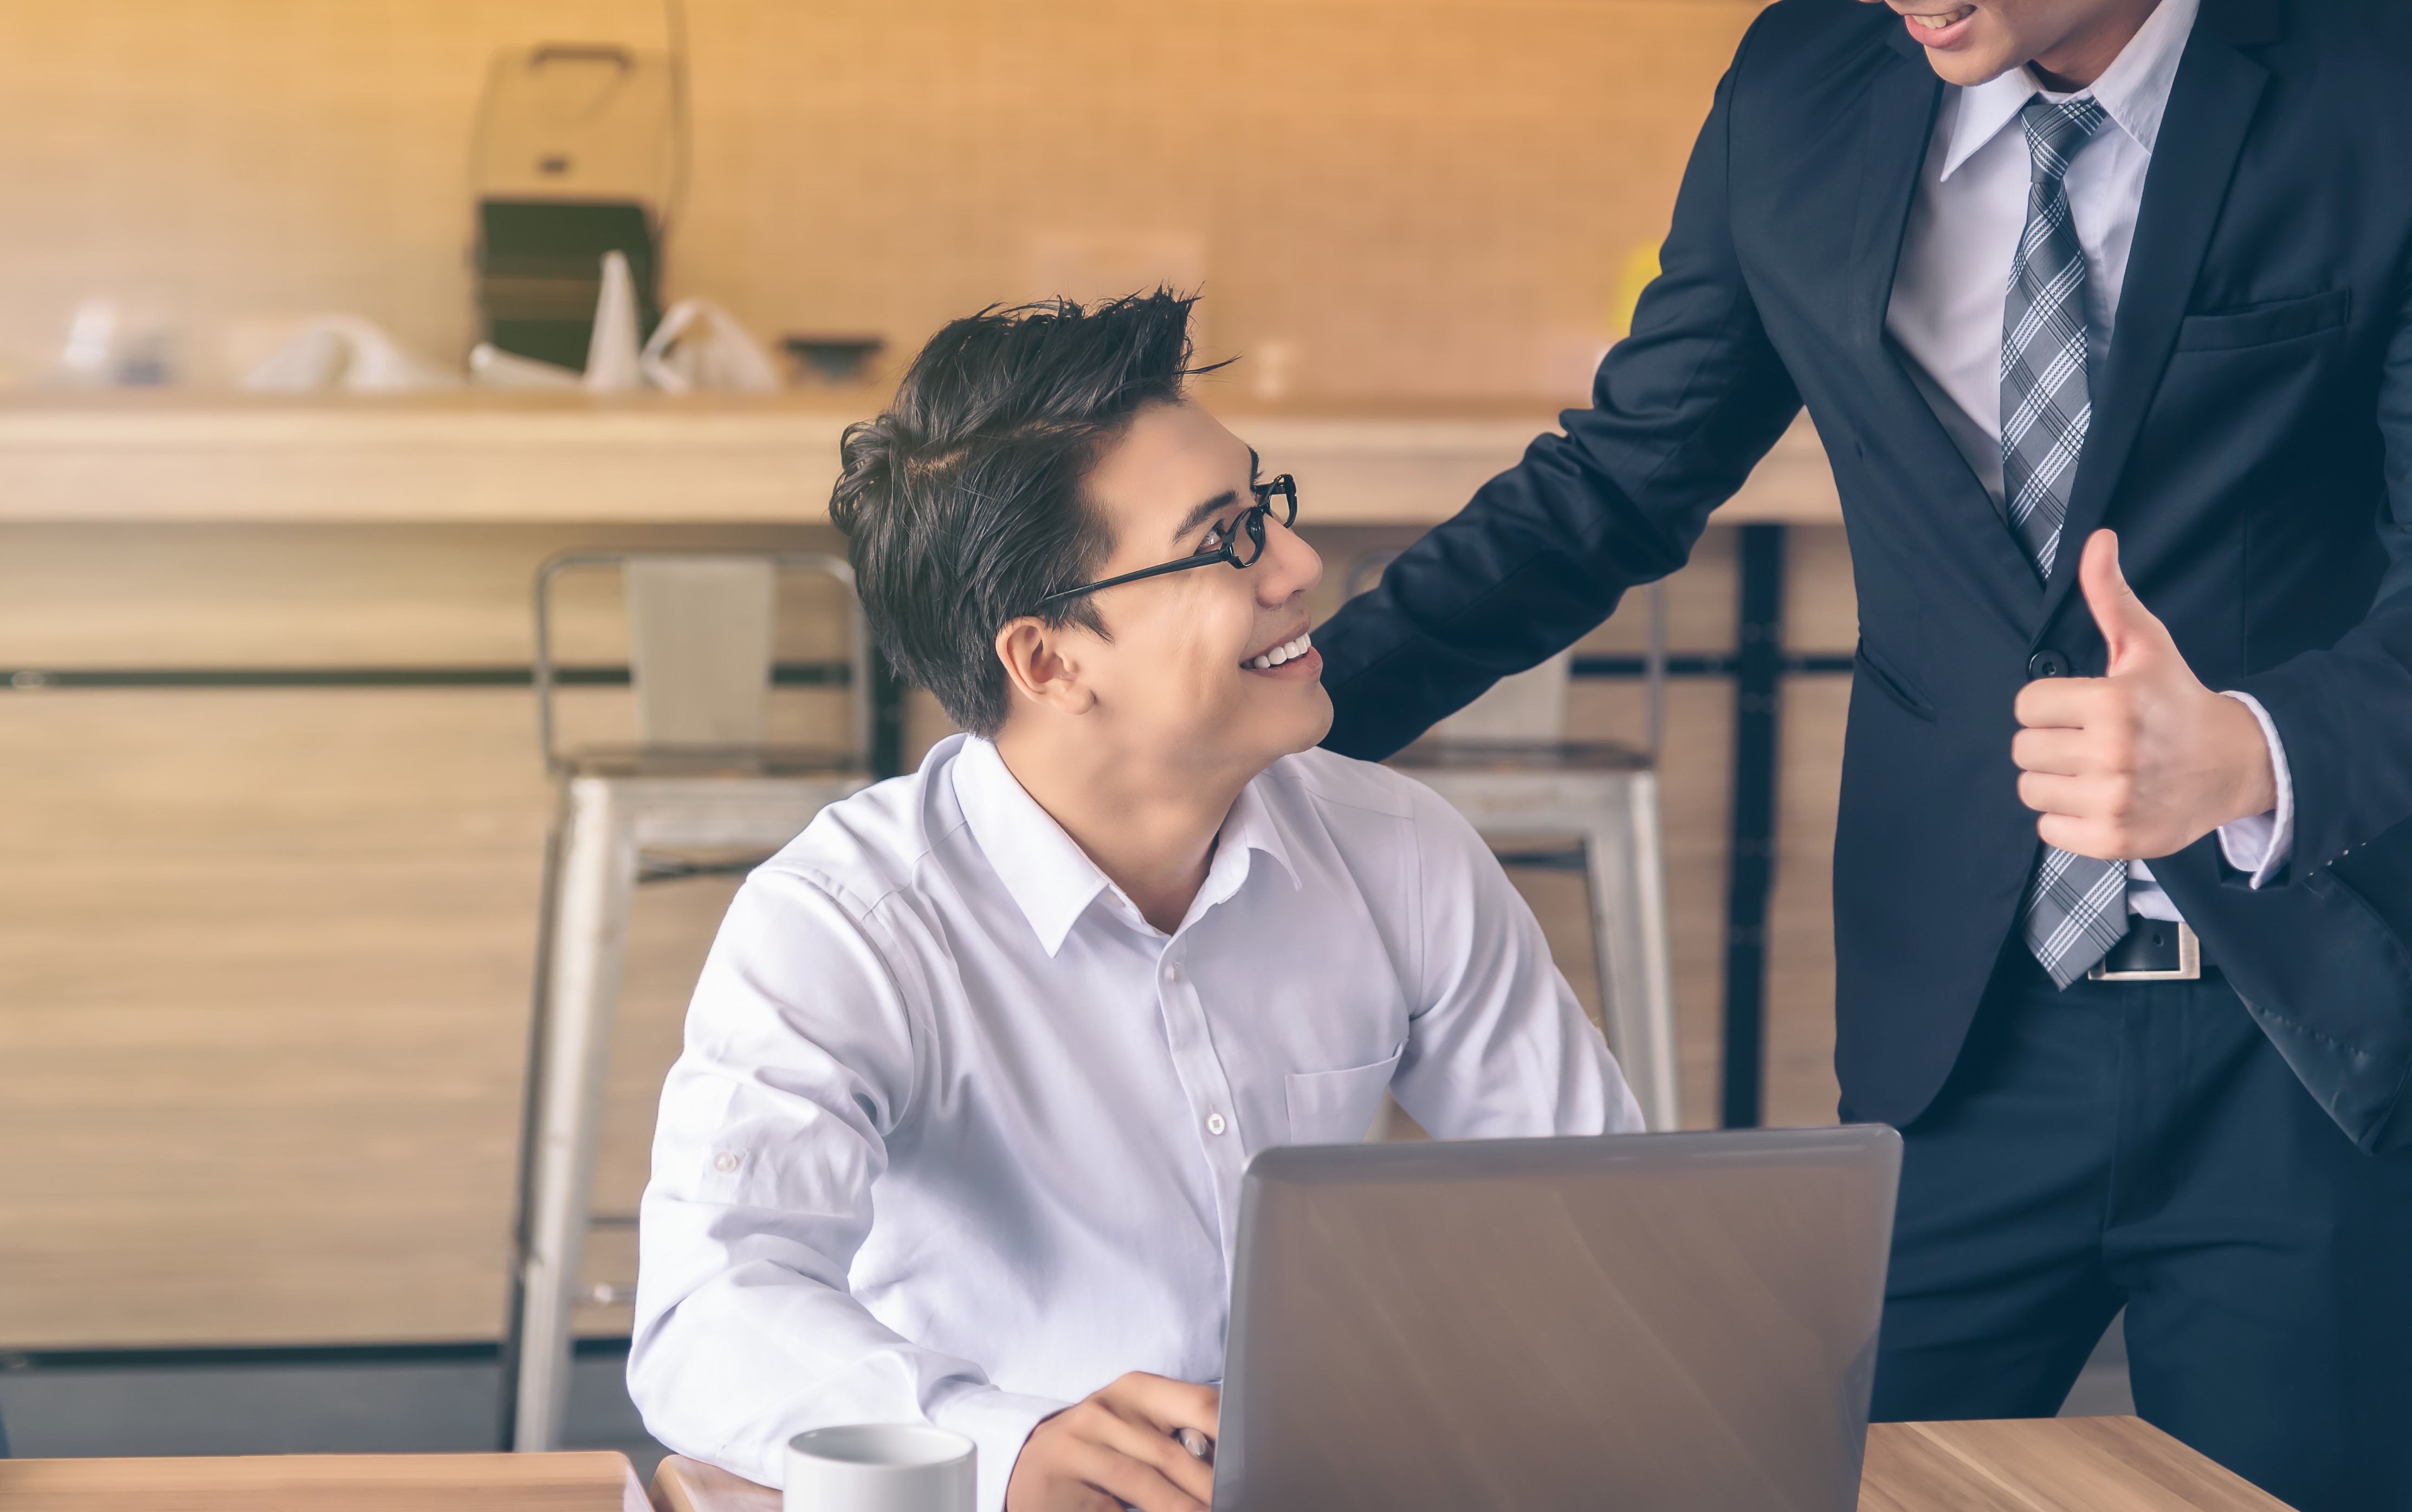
(1172, 973)
(724, 1162)
(1215, 1123)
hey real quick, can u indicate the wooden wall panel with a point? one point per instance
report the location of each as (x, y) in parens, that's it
(263, 957)
(1426, 196)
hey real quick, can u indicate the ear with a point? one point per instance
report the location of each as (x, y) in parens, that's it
(1040, 664)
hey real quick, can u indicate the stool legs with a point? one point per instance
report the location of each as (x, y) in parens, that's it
(597, 873)
(1627, 873)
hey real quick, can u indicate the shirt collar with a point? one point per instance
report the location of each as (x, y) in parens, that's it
(2134, 91)
(1052, 879)
(1250, 828)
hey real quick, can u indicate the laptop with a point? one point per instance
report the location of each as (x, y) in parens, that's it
(1640, 1321)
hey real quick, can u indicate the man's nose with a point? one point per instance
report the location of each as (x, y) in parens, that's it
(1288, 567)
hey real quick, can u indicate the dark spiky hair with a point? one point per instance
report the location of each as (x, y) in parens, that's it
(964, 503)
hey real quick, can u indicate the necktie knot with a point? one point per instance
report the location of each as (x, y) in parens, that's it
(2055, 132)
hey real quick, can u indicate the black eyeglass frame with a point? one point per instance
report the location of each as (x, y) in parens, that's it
(1250, 526)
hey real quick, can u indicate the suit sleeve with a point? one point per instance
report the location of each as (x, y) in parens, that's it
(2345, 714)
(1681, 410)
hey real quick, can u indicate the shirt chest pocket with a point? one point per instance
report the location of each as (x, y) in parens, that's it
(1337, 1107)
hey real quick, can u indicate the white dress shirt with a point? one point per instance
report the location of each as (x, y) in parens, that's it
(1964, 223)
(957, 1134)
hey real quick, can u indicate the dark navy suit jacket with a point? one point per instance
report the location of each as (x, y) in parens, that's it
(2251, 442)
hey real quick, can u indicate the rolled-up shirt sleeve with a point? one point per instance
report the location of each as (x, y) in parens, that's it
(1497, 1044)
(800, 1062)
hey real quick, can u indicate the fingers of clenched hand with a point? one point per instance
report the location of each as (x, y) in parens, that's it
(2061, 702)
(1151, 1410)
(1116, 1448)
(2106, 799)
(1167, 1403)
(1089, 1458)
(1150, 1470)
(2065, 753)
(2079, 725)
(2084, 837)
(1137, 1479)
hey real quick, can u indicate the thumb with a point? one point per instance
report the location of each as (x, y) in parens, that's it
(2129, 630)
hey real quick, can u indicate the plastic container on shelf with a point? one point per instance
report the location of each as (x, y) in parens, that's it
(579, 153)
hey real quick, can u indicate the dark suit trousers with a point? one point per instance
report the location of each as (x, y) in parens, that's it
(2142, 1144)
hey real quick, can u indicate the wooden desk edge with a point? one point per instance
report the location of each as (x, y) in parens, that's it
(606, 1471)
(685, 1485)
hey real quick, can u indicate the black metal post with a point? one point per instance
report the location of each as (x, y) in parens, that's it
(1759, 686)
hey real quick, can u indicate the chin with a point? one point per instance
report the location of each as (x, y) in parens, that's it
(1304, 730)
(1319, 726)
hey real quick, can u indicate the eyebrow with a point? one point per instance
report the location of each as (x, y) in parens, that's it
(1216, 506)
(1203, 513)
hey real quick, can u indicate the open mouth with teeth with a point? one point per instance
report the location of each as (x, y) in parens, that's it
(1938, 20)
(1291, 649)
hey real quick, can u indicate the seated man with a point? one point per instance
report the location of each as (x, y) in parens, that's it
(975, 1062)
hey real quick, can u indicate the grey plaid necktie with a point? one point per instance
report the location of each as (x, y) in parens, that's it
(2077, 908)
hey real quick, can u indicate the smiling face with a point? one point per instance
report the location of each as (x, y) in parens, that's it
(2069, 41)
(1204, 670)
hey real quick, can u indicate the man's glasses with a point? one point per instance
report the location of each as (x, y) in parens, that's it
(1239, 543)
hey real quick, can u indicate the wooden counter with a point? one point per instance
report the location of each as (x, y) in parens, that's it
(462, 458)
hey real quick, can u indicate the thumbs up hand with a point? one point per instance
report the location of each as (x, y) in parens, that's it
(2143, 761)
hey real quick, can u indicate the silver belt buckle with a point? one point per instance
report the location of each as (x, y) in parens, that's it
(2189, 963)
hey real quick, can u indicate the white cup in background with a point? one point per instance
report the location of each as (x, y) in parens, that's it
(881, 1467)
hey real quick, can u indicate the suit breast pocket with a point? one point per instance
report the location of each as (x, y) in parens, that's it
(2265, 324)
(1338, 1106)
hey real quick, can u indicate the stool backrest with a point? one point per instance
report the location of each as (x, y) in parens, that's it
(701, 632)
(1530, 706)
(699, 647)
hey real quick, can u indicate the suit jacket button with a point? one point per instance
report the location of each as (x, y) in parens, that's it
(2047, 662)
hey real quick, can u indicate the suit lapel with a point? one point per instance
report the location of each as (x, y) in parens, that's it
(2210, 112)
(1902, 103)
(1900, 116)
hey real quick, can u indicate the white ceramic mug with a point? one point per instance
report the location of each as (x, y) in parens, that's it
(881, 1467)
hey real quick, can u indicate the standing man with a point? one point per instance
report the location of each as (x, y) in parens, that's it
(2041, 270)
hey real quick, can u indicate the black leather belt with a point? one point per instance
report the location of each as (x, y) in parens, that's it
(2154, 950)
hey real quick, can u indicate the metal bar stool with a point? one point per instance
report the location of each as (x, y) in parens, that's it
(1504, 762)
(701, 777)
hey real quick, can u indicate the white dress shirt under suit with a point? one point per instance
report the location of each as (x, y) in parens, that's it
(1948, 293)
(957, 1135)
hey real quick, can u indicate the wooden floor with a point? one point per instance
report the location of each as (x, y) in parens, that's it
(264, 954)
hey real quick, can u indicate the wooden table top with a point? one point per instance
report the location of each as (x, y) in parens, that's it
(571, 1482)
(2046, 1464)
(2040, 1464)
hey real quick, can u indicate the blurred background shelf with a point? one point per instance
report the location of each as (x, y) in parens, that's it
(441, 459)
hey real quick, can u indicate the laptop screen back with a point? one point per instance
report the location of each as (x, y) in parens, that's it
(1636, 1321)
